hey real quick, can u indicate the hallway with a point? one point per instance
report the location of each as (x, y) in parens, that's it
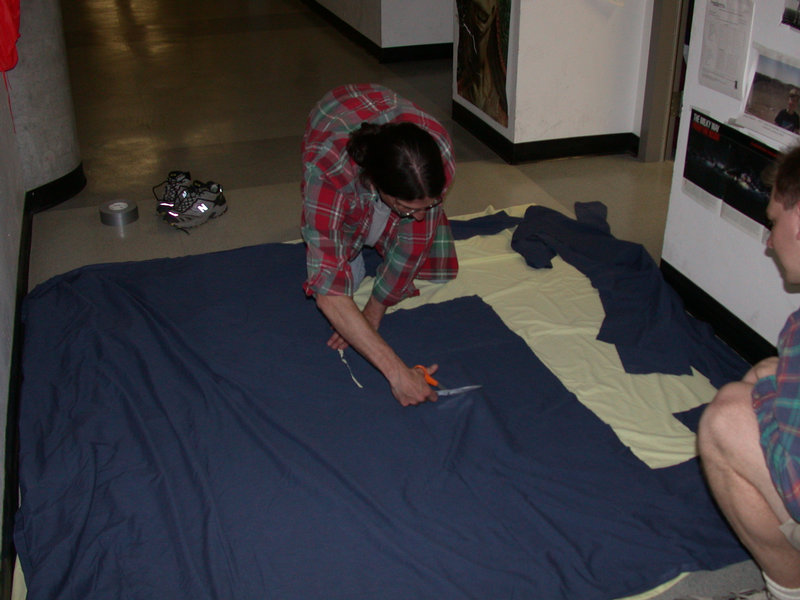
(223, 89)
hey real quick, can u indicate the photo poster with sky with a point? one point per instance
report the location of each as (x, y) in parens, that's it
(482, 56)
(729, 165)
(772, 102)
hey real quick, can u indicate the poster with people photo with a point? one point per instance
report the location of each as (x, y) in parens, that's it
(771, 108)
(482, 55)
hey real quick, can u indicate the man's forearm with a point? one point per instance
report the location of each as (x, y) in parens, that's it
(408, 385)
(353, 326)
(373, 312)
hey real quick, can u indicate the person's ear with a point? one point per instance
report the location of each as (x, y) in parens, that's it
(795, 212)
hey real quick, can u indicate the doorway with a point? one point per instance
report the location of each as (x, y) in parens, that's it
(666, 71)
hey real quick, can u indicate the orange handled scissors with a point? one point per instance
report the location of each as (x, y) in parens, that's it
(443, 391)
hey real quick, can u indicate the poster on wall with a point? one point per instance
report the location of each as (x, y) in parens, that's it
(771, 107)
(482, 55)
(726, 39)
(791, 14)
(725, 168)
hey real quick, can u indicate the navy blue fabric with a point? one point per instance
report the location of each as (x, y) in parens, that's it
(691, 417)
(186, 433)
(645, 318)
(486, 225)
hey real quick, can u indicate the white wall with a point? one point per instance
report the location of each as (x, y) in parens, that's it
(725, 262)
(576, 68)
(12, 199)
(396, 23)
(44, 117)
(415, 22)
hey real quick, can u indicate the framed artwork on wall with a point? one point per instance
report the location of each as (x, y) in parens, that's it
(482, 55)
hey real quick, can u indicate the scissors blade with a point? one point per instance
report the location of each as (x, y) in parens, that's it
(458, 390)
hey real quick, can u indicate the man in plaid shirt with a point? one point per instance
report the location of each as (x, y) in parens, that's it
(375, 171)
(749, 436)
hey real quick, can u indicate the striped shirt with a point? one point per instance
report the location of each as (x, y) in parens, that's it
(338, 204)
(776, 400)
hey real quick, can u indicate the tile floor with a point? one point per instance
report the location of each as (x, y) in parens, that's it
(222, 89)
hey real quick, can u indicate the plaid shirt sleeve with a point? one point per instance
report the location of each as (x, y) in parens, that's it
(330, 243)
(334, 217)
(776, 400)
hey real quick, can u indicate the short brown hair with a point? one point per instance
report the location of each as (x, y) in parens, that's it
(786, 184)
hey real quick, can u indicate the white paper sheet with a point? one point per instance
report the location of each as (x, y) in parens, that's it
(726, 39)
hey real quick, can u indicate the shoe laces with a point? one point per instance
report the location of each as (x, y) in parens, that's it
(175, 182)
(185, 200)
(174, 188)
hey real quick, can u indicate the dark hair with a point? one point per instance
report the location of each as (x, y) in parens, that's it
(786, 184)
(400, 159)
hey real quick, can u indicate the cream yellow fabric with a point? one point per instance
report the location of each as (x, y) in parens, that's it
(558, 313)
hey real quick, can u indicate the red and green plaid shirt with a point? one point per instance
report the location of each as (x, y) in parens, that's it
(776, 400)
(338, 206)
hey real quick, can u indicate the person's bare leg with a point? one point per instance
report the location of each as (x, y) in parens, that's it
(734, 464)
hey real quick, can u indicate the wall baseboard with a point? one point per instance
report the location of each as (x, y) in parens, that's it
(37, 200)
(384, 55)
(612, 143)
(728, 327)
(55, 192)
(8, 552)
(418, 52)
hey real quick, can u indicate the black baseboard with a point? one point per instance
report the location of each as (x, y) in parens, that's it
(613, 143)
(728, 327)
(419, 52)
(55, 192)
(8, 553)
(384, 55)
(36, 200)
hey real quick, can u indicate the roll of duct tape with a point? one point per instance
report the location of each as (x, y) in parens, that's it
(119, 212)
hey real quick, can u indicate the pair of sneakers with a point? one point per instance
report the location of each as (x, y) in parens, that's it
(185, 203)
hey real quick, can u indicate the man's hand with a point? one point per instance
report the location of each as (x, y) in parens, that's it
(353, 326)
(410, 387)
(337, 342)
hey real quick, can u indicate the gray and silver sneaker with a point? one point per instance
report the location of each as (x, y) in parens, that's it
(196, 204)
(167, 192)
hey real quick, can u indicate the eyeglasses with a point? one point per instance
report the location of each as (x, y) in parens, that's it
(405, 212)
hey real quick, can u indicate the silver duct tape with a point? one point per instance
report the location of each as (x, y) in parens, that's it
(119, 212)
